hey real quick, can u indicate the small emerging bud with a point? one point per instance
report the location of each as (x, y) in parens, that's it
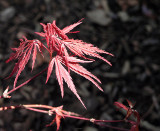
(50, 112)
(92, 120)
(5, 93)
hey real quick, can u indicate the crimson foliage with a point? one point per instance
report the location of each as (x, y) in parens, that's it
(69, 54)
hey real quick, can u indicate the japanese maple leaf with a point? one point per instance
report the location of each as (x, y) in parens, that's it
(57, 39)
(62, 49)
(22, 54)
(63, 53)
(53, 35)
(62, 74)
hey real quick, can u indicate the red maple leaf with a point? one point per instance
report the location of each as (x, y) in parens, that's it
(63, 54)
(23, 53)
(62, 74)
(65, 48)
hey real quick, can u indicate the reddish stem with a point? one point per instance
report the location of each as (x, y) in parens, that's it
(24, 83)
(45, 109)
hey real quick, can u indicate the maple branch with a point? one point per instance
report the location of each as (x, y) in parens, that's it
(52, 110)
(92, 119)
(2, 96)
(99, 122)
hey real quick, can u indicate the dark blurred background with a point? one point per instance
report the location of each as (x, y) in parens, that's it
(129, 29)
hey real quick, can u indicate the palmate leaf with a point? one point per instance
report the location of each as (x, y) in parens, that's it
(62, 52)
(22, 64)
(53, 34)
(67, 78)
(62, 74)
(57, 38)
(23, 53)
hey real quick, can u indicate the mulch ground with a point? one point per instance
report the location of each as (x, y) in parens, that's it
(129, 29)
